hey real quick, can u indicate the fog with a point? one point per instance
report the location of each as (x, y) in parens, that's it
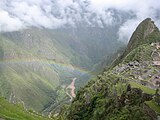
(20, 14)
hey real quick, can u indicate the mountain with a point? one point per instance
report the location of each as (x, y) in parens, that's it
(37, 64)
(129, 89)
(10, 111)
(147, 32)
(34, 66)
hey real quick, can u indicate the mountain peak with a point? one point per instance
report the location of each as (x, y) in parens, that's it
(123, 90)
(146, 32)
(149, 25)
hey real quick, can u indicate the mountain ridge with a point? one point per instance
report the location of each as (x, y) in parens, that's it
(44, 61)
(127, 87)
(140, 37)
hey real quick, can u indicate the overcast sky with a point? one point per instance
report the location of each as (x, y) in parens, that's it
(20, 14)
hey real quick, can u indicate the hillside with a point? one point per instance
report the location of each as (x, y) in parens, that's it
(129, 90)
(146, 33)
(36, 65)
(17, 112)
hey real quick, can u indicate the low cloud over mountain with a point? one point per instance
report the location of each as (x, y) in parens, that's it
(52, 14)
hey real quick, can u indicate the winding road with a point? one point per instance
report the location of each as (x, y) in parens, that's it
(72, 87)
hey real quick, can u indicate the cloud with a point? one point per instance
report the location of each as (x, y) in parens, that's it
(20, 14)
(140, 8)
(126, 30)
(9, 23)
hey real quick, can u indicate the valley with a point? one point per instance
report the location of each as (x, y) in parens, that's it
(37, 65)
(129, 89)
(79, 60)
(71, 94)
(45, 77)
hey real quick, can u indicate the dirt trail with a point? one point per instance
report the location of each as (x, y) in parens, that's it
(72, 87)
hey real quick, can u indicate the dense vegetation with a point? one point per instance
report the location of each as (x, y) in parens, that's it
(144, 35)
(37, 64)
(17, 112)
(126, 91)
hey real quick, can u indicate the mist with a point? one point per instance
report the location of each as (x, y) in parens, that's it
(21, 14)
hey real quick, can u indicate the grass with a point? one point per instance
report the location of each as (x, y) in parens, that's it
(154, 106)
(145, 89)
(16, 112)
(120, 87)
(30, 88)
(141, 53)
(33, 83)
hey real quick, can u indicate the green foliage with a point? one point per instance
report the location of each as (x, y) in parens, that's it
(128, 113)
(145, 34)
(15, 112)
(141, 53)
(109, 97)
(145, 89)
(40, 60)
(109, 108)
(153, 105)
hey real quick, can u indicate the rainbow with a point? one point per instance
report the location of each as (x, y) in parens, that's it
(56, 64)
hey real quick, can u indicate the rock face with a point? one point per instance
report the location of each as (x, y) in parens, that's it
(125, 91)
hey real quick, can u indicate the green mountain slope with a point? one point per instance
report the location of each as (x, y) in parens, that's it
(36, 65)
(129, 90)
(28, 77)
(20, 81)
(145, 33)
(17, 112)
